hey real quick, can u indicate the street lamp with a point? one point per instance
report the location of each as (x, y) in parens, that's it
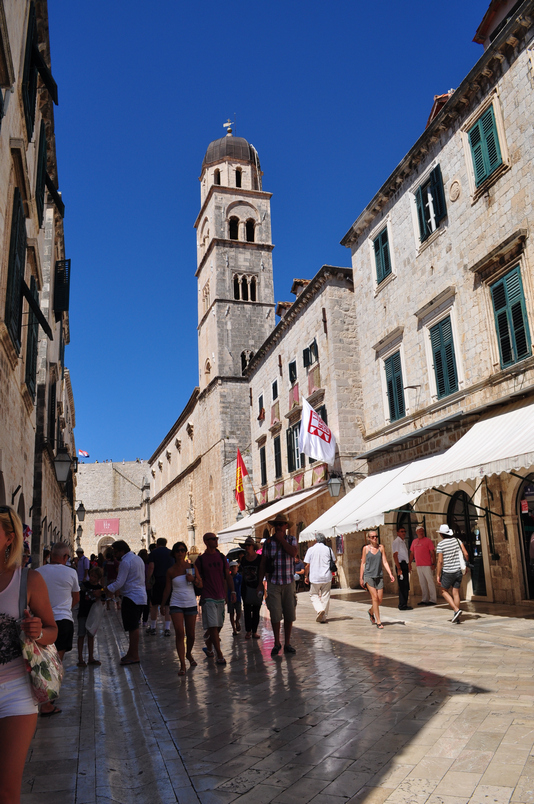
(80, 512)
(334, 485)
(62, 464)
(79, 534)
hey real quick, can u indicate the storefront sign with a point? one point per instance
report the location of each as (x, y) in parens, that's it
(524, 506)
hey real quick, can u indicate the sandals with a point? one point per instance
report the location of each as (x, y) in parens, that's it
(248, 635)
(181, 671)
(81, 664)
(379, 625)
(94, 663)
(209, 653)
(220, 661)
(372, 617)
(54, 711)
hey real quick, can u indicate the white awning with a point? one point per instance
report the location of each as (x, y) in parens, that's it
(247, 526)
(495, 444)
(364, 507)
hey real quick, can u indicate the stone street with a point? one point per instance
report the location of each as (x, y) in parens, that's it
(423, 711)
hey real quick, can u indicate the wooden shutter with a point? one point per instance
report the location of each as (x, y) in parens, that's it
(41, 174)
(485, 148)
(52, 415)
(277, 457)
(395, 387)
(382, 261)
(438, 196)
(444, 358)
(291, 462)
(293, 372)
(263, 467)
(15, 271)
(306, 357)
(423, 229)
(511, 318)
(62, 288)
(29, 75)
(32, 343)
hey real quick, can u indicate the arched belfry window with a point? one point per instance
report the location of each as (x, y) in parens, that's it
(244, 288)
(246, 357)
(238, 177)
(234, 228)
(253, 289)
(249, 227)
(217, 177)
(236, 287)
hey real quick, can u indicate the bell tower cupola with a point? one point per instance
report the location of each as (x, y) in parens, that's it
(234, 259)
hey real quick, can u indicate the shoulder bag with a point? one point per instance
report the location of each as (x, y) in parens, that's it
(42, 661)
(463, 565)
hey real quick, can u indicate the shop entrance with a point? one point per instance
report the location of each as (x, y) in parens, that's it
(407, 519)
(525, 502)
(462, 518)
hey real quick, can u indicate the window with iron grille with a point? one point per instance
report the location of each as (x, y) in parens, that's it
(511, 320)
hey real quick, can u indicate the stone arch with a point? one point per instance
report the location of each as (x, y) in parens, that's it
(103, 543)
(243, 210)
(207, 367)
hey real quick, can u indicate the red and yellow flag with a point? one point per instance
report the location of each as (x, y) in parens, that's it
(240, 473)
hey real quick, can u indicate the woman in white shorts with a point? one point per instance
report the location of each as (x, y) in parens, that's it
(181, 586)
(18, 710)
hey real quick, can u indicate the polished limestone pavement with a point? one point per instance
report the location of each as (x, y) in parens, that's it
(422, 712)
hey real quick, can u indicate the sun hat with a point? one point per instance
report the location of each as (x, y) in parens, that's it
(280, 519)
(445, 530)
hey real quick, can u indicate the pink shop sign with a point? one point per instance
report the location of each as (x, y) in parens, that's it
(108, 527)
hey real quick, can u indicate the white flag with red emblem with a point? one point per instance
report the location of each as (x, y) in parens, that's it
(316, 439)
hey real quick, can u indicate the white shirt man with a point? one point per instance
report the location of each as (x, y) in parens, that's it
(319, 575)
(64, 593)
(131, 582)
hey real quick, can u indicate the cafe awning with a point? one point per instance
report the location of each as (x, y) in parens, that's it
(247, 526)
(495, 444)
(366, 505)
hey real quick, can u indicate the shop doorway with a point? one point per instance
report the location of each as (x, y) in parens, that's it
(462, 517)
(407, 519)
(525, 503)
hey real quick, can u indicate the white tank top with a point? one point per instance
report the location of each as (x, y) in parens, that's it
(183, 593)
(11, 662)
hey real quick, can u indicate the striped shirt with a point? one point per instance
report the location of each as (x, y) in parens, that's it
(450, 548)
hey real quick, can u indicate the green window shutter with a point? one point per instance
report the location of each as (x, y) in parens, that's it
(382, 260)
(41, 175)
(277, 457)
(485, 148)
(395, 387)
(29, 75)
(290, 452)
(423, 229)
(263, 467)
(444, 358)
(15, 272)
(511, 318)
(32, 343)
(438, 196)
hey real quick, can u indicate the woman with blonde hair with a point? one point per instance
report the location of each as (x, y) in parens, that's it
(372, 567)
(18, 710)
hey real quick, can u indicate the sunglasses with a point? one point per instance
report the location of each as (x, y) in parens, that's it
(5, 510)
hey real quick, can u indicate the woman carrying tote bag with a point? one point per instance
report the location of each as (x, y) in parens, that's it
(450, 569)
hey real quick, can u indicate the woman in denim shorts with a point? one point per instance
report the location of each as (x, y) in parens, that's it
(182, 580)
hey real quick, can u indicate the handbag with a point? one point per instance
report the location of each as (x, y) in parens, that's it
(333, 565)
(42, 662)
(252, 597)
(463, 565)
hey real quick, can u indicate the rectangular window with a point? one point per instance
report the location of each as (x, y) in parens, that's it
(275, 389)
(15, 271)
(51, 429)
(430, 201)
(511, 318)
(295, 460)
(34, 65)
(382, 260)
(444, 358)
(263, 466)
(395, 387)
(40, 181)
(293, 372)
(32, 343)
(260, 404)
(485, 148)
(277, 457)
(310, 355)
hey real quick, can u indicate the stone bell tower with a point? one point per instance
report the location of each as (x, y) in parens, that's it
(234, 258)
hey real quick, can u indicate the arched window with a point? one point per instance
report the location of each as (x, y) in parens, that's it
(253, 289)
(462, 517)
(236, 287)
(238, 177)
(244, 289)
(217, 177)
(234, 228)
(249, 227)
(207, 367)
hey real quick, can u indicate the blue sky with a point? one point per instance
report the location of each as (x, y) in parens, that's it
(332, 95)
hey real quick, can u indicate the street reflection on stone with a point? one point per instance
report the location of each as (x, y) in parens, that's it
(424, 711)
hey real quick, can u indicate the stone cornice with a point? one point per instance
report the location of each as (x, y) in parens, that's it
(221, 241)
(321, 278)
(188, 409)
(474, 86)
(258, 305)
(235, 191)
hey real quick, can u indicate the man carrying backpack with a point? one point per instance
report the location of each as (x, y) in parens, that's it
(216, 578)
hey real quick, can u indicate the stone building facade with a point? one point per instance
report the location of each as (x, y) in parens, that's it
(444, 290)
(116, 498)
(36, 400)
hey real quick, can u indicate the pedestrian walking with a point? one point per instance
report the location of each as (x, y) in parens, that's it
(422, 550)
(252, 596)
(372, 567)
(82, 565)
(91, 593)
(159, 561)
(64, 593)
(318, 575)
(234, 608)
(278, 564)
(402, 565)
(216, 580)
(131, 582)
(181, 585)
(18, 710)
(449, 568)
